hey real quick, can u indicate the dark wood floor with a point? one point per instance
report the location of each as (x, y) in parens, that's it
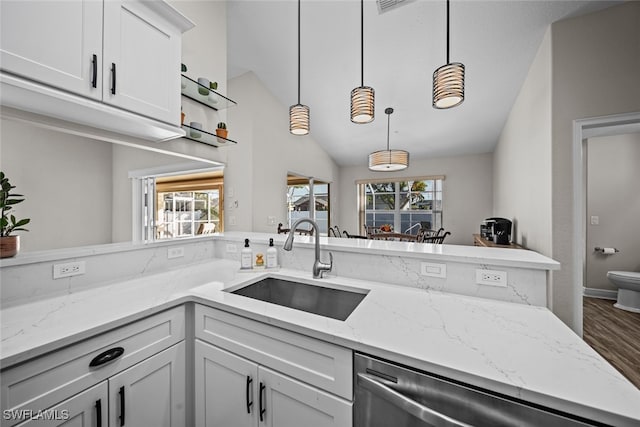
(615, 334)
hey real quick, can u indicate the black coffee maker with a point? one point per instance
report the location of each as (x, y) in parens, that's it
(496, 229)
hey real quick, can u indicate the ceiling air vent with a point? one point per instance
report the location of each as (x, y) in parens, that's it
(387, 5)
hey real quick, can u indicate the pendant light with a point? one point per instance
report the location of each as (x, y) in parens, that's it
(298, 113)
(448, 81)
(388, 160)
(362, 98)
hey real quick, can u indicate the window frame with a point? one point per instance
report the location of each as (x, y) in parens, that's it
(397, 212)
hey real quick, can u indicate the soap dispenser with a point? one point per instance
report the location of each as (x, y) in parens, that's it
(246, 256)
(272, 255)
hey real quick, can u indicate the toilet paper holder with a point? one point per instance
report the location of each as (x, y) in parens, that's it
(606, 251)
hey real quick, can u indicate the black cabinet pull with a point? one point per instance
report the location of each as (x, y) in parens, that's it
(106, 357)
(263, 406)
(99, 413)
(249, 400)
(94, 62)
(121, 393)
(113, 78)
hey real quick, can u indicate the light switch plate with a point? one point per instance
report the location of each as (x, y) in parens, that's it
(595, 220)
(433, 269)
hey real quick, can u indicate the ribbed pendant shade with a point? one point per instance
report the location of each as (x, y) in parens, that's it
(448, 85)
(388, 160)
(362, 104)
(448, 80)
(362, 97)
(299, 119)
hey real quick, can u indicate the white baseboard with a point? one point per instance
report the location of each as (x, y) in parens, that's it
(600, 293)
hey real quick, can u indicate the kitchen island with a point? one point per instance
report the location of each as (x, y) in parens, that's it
(517, 350)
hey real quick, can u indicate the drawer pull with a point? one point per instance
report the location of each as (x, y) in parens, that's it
(263, 406)
(113, 78)
(99, 413)
(106, 357)
(94, 62)
(249, 401)
(121, 393)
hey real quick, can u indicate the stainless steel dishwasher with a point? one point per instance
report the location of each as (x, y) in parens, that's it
(391, 395)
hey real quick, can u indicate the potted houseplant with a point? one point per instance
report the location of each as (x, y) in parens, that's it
(9, 245)
(222, 131)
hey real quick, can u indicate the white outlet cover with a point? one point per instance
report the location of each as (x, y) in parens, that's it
(69, 269)
(232, 248)
(491, 277)
(175, 252)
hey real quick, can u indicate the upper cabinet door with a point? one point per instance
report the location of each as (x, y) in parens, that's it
(141, 70)
(54, 43)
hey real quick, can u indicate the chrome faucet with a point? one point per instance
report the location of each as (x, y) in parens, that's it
(318, 266)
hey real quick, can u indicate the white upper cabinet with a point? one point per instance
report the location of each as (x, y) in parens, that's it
(57, 43)
(141, 67)
(112, 64)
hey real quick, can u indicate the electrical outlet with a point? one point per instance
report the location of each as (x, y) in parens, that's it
(232, 220)
(271, 220)
(433, 269)
(232, 248)
(69, 269)
(175, 252)
(491, 277)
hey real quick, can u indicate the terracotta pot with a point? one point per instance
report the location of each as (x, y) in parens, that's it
(9, 246)
(222, 133)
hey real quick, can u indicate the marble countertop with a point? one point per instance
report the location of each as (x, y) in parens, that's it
(517, 350)
(456, 253)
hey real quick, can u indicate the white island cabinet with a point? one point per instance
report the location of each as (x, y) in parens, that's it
(132, 375)
(244, 389)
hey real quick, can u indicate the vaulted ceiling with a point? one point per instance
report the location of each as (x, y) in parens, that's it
(496, 41)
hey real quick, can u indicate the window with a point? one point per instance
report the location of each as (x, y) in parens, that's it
(406, 204)
(300, 191)
(188, 205)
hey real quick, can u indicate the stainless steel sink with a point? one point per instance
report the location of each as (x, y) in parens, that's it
(329, 302)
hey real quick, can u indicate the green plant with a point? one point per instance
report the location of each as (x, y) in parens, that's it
(222, 125)
(8, 223)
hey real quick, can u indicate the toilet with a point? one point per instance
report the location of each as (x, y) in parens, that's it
(628, 283)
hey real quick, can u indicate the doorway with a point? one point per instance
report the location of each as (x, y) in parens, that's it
(583, 130)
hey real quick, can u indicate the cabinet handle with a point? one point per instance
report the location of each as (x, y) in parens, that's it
(106, 357)
(121, 393)
(263, 406)
(94, 62)
(249, 402)
(113, 78)
(99, 413)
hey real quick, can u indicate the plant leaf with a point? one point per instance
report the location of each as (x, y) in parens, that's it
(22, 222)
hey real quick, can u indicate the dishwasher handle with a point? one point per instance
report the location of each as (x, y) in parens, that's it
(416, 409)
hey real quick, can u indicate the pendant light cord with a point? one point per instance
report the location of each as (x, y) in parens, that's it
(298, 52)
(362, 43)
(388, 127)
(448, 32)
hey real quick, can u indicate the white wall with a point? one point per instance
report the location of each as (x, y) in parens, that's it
(66, 181)
(522, 158)
(257, 168)
(596, 64)
(613, 174)
(467, 192)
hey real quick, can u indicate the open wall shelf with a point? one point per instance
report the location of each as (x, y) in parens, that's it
(205, 137)
(204, 95)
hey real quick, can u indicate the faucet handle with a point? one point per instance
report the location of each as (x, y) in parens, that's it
(330, 261)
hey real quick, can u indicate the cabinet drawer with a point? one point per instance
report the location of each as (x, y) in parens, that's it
(319, 363)
(42, 382)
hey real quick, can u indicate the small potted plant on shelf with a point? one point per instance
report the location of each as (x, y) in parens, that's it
(222, 131)
(9, 245)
